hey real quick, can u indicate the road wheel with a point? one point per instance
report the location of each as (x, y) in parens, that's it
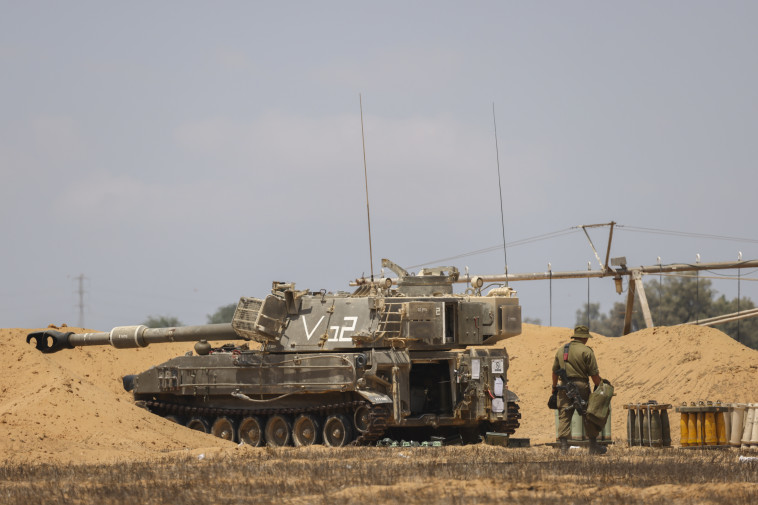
(338, 431)
(173, 419)
(361, 419)
(250, 431)
(278, 431)
(223, 427)
(306, 430)
(198, 424)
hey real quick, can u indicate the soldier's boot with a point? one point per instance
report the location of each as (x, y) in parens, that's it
(564, 447)
(596, 448)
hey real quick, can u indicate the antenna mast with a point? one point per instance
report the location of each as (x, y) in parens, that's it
(500, 186)
(365, 177)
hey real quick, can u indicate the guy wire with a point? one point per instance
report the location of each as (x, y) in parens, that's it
(365, 178)
(500, 186)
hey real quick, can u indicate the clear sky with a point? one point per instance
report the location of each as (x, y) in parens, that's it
(182, 154)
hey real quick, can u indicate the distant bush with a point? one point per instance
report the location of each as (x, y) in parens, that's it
(162, 322)
(223, 314)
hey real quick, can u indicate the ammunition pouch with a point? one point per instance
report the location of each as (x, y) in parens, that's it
(552, 402)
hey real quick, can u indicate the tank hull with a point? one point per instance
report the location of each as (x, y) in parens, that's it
(416, 394)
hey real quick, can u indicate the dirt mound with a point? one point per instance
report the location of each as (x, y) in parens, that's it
(71, 407)
(666, 364)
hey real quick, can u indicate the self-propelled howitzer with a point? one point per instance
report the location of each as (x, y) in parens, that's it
(403, 357)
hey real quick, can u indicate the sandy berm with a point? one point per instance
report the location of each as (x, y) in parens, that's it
(70, 407)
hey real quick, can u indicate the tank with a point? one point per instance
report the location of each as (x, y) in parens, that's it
(400, 357)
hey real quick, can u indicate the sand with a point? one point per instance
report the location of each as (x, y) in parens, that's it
(667, 364)
(70, 407)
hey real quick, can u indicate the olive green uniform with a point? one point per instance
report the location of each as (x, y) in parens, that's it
(580, 366)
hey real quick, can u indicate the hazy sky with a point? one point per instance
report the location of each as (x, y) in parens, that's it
(183, 154)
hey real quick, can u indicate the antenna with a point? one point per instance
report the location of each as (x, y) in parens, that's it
(365, 177)
(500, 186)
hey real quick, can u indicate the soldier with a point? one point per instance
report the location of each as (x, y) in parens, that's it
(580, 365)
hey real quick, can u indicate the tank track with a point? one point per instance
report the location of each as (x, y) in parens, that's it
(378, 415)
(511, 423)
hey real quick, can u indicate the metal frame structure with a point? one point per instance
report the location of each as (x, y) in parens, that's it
(635, 283)
(617, 270)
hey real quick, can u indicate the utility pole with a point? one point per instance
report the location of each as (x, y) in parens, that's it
(80, 278)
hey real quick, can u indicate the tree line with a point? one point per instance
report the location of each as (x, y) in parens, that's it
(673, 301)
(223, 314)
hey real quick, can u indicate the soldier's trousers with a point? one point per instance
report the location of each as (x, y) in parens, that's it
(566, 412)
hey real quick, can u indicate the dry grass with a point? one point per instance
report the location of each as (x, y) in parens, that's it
(450, 475)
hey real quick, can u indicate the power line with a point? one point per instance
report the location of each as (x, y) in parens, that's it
(498, 247)
(727, 276)
(714, 277)
(658, 231)
(574, 229)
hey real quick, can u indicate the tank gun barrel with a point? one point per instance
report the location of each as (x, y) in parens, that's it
(126, 337)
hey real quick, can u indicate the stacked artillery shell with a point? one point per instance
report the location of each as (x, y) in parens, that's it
(738, 411)
(709, 424)
(750, 430)
(577, 428)
(647, 424)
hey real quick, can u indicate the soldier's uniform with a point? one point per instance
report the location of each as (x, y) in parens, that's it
(580, 366)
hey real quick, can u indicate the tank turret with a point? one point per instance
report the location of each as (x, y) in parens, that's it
(397, 356)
